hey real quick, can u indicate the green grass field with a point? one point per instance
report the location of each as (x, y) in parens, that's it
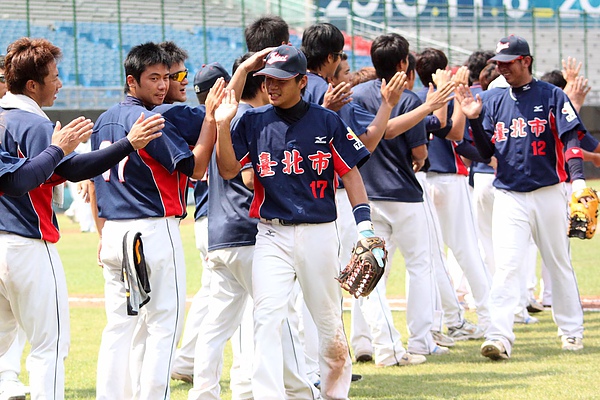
(537, 370)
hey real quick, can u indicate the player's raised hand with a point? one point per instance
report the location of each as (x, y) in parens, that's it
(145, 130)
(392, 90)
(436, 99)
(461, 77)
(571, 69)
(214, 97)
(441, 76)
(68, 138)
(257, 60)
(470, 106)
(228, 108)
(337, 97)
(577, 90)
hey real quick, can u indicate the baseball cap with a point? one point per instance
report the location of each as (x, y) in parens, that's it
(511, 48)
(285, 62)
(208, 75)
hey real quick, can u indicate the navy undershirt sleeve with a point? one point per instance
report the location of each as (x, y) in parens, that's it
(469, 151)
(32, 173)
(484, 145)
(186, 166)
(570, 139)
(89, 165)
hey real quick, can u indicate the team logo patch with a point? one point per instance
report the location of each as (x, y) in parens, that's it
(352, 136)
(569, 112)
(501, 46)
(276, 57)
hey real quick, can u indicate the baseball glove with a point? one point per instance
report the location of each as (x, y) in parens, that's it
(583, 216)
(363, 271)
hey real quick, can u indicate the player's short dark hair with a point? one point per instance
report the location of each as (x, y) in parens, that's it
(412, 62)
(175, 53)
(477, 62)
(267, 31)
(319, 41)
(344, 57)
(429, 61)
(143, 56)
(27, 59)
(555, 77)
(488, 74)
(253, 83)
(387, 52)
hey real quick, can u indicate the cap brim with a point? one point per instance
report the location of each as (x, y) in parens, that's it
(275, 73)
(504, 57)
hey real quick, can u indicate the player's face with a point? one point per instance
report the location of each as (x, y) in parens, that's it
(44, 94)
(2, 84)
(285, 93)
(179, 80)
(516, 72)
(344, 76)
(153, 85)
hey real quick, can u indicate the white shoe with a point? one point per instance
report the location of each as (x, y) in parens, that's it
(571, 343)
(407, 359)
(442, 340)
(494, 349)
(12, 389)
(525, 319)
(465, 331)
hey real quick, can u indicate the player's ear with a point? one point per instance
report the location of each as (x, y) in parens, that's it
(303, 82)
(131, 82)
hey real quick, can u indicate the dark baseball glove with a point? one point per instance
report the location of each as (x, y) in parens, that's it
(364, 270)
(583, 213)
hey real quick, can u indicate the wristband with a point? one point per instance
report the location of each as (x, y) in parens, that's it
(362, 212)
(573, 152)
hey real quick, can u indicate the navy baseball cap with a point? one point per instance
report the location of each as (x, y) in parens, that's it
(208, 75)
(285, 62)
(511, 48)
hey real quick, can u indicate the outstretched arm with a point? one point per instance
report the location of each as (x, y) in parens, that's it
(228, 164)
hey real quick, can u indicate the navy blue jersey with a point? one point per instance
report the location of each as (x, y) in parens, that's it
(295, 164)
(478, 167)
(9, 163)
(200, 199)
(145, 184)
(525, 125)
(229, 221)
(588, 142)
(388, 175)
(188, 120)
(355, 116)
(25, 135)
(442, 155)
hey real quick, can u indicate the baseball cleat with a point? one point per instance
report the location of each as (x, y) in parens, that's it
(525, 319)
(494, 349)
(442, 340)
(534, 306)
(466, 331)
(182, 377)
(12, 389)
(356, 377)
(571, 343)
(364, 358)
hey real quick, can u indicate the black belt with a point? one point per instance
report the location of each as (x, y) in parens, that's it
(278, 221)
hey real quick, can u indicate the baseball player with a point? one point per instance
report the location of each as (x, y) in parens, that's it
(34, 294)
(532, 129)
(232, 234)
(266, 31)
(446, 178)
(297, 237)
(397, 206)
(147, 195)
(206, 77)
